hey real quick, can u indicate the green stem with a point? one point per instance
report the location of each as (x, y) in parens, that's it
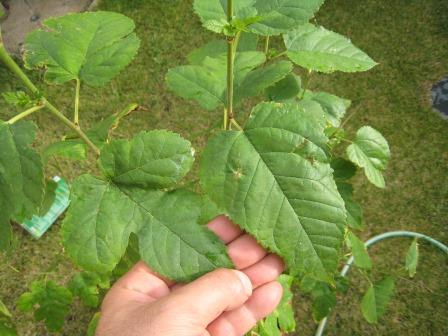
(14, 68)
(226, 119)
(76, 116)
(25, 114)
(266, 47)
(58, 114)
(234, 123)
(230, 62)
(279, 55)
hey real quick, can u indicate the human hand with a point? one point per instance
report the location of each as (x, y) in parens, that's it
(221, 303)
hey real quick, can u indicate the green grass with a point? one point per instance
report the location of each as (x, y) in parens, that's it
(409, 40)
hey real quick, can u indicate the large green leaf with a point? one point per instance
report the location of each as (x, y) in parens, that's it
(205, 81)
(156, 159)
(376, 299)
(359, 251)
(22, 181)
(92, 47)
(319, 49)
(104, 213)
(333, 106)
(281, 16)
(50, 302)
(274, 181)
(370, 151)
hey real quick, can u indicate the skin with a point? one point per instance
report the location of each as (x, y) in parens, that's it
(221, 303)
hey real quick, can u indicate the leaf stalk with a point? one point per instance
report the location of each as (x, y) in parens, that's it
(78, 88)
(25, 114)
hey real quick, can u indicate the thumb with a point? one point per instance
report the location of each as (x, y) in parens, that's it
(209, 296)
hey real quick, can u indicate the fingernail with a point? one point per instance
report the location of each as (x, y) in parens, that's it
(247, 285)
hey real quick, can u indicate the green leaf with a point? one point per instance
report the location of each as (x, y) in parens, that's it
(17, 98)
(281, 16)
(281, 320)
(376, 299)
(207, 83)
(92, 47)
(260, 79)
(213, 12)
(412, 258)
(218, 48)
(354, 210)
(324, 300)
(343, 169)
(156, 159)
(359, 251)
(197, 83)
(333, 106)
(69, 149)
(274, 181)
(370, 151)
(86, 286)
(319, 49)
(50, 195)
(50, 302)
(129, 259)
(21, 176)
(93, 324)
(4, 311)
(285, 89)
(209, 210)
(102, 216)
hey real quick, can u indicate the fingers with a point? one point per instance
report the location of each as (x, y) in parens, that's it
(239, 321)
(224, 229)
(140, 284)
(245, 251)
(265, 271)
(209, 296)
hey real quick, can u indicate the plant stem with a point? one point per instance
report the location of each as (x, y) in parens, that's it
(14, 68)
(234, 123)
(266, 47)
(76, 116)
(230, 61)
(279, 54)
(71, 125)
(25, 114)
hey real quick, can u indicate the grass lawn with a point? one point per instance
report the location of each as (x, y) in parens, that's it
(410, 41)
